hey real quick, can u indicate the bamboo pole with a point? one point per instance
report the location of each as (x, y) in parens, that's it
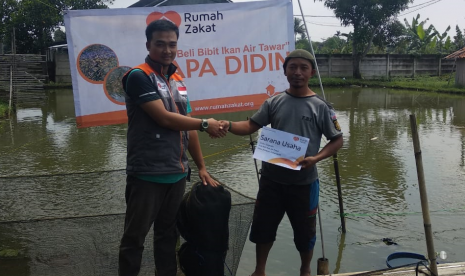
(339, 193)
(423, 196)
(11, 91)
(13, 68)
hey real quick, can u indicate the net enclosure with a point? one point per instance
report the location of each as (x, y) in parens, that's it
(75, 227)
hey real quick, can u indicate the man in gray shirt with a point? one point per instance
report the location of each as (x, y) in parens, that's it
(297, 110)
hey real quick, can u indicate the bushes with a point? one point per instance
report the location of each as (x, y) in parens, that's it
(424, 83)
(3, 109)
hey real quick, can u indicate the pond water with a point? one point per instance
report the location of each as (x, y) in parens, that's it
(376, 163)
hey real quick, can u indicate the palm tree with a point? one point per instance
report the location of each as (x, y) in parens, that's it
(299, 28)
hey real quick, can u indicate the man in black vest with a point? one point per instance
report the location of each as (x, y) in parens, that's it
(160, 130)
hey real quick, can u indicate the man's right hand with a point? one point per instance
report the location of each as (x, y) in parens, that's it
(225, 125)
(215, 129)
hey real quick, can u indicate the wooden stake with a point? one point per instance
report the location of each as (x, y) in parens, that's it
(423, 196)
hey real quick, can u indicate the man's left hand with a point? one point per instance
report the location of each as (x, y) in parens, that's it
(308, 162)
(207, 179)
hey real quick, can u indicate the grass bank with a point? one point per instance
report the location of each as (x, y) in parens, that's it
(422, 83)
(3, 109)
(56, 85)
(434, 84)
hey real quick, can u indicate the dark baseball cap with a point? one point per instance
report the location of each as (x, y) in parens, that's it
(300, 53)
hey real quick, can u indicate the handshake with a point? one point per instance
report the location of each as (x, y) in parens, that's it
(217, 129)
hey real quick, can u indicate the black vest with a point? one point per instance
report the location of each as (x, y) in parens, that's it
(152, 149)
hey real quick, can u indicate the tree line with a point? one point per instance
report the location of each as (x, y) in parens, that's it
(376, 30)
(412, 38)
(35, 24)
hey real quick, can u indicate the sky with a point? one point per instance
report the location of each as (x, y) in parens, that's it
(441, 13)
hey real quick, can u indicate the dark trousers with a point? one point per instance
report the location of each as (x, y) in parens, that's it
(150, 203)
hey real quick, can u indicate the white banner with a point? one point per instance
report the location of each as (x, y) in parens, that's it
(230, 55)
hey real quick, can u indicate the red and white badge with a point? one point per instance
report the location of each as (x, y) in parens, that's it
(162, 86)
(181, 88)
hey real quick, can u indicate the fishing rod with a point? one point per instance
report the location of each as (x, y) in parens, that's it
(335, 159)
(323, 267)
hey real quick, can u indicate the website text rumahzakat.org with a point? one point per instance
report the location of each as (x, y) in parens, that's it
(224, 106)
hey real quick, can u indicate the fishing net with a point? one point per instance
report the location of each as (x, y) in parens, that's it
(58, 236)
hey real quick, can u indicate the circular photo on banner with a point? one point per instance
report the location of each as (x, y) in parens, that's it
(95, 61)
(113, 86)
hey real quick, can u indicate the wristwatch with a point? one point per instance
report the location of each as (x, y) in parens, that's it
(204, 125)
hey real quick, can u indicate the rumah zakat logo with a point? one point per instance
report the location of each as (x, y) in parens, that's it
(169, 15)
(299, 139)
(161, 86)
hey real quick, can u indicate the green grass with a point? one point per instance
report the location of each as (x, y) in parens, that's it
(54, 85)
(423, 83)
(3, 109)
